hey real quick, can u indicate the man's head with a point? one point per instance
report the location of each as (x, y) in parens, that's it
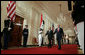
(58, 26)
(49, 28)
(8, 16)
(40, 29)
(26, 26)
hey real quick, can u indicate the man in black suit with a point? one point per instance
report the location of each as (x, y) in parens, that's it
(59, 32)
(6, 33)
(25, 35)
(1, 38)
(50, 35)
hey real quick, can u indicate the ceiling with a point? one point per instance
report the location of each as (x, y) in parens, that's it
(53, 8)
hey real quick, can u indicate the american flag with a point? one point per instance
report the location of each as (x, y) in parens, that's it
(11, 10)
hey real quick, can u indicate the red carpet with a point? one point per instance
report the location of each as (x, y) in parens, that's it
(66, 49)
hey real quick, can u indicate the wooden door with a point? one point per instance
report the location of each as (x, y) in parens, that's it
(16, 33)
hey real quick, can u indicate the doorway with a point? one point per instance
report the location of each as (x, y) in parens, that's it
(16, 33)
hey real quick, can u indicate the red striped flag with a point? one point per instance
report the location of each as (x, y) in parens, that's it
(11, 10)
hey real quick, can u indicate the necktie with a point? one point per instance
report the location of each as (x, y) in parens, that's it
(58, 29)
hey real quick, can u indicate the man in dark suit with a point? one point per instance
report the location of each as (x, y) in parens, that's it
(1, 38)
(25, 35)
(50, 35)
(6, 33)
(59, 32)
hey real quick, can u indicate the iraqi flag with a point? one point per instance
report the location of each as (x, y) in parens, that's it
(42, 22)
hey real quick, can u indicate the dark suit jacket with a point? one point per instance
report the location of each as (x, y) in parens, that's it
(59, 34)
(6, 33)
(50, 34)
(25, 32)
